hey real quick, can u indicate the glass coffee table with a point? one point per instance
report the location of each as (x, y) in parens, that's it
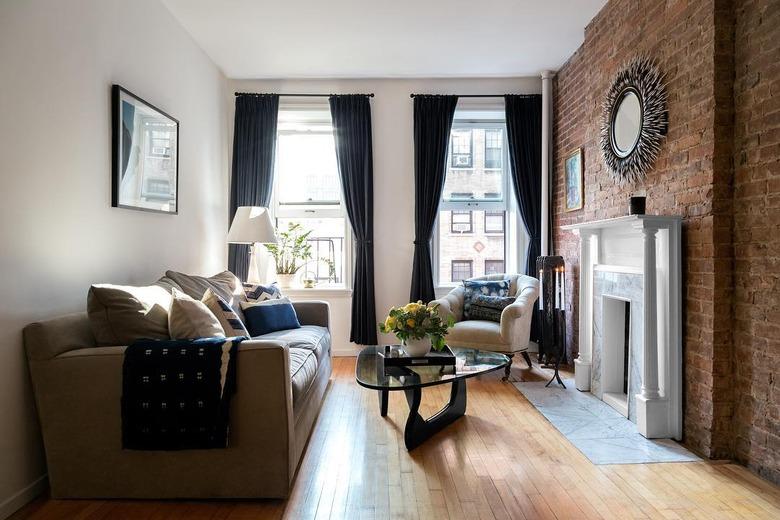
(371, 372)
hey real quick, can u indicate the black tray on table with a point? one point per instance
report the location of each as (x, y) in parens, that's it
(432, 358)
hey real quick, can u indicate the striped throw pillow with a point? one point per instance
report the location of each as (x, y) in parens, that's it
(225, 314)
(258, 292)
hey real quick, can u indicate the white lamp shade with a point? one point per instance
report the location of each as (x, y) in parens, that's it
(250, 225)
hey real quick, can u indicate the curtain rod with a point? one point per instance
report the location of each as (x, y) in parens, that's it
(477, 95)
(300, 95)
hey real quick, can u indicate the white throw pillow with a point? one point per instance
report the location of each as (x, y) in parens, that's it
(190, 319)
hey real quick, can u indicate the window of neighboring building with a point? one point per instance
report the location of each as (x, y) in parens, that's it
(494, 266)
(494, 148)
(308, 191)
(462, 269)
(462, 222)
(494, 222)
(461, 146)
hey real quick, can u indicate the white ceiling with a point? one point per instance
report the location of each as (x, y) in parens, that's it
(386, 38)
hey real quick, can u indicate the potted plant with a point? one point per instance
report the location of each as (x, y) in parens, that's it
(419, 327)
(290, 252)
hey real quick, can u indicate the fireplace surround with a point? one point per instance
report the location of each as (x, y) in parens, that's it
(635, 260)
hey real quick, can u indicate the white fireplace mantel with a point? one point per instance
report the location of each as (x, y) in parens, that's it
(650, 245)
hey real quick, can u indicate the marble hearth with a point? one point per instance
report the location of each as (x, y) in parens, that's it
(630, 305)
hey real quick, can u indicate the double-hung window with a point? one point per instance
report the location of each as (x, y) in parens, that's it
(307, 191)
(478, 231)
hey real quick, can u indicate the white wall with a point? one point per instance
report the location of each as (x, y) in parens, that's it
(58, 232)
(393, 171)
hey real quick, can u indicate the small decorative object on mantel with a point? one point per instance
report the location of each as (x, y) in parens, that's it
(552, 313)
(573, 184)
(634, 120)
(145, 155)
(637, 206)
(418, 326)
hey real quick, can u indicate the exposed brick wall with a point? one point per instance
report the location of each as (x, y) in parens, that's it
(722, 76)
(681, 37)
(756, 207)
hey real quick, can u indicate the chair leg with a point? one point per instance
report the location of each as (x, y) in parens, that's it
(508, 368)
(527, 359)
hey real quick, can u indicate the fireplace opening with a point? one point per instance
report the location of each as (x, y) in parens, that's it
(616, 352)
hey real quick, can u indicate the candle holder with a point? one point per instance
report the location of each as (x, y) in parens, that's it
(552, 313)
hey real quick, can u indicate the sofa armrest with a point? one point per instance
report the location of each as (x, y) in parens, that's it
(516, 318)
(313, 313)
(50, 338)
(451, 305)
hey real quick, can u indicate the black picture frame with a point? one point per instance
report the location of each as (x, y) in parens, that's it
(156, 193)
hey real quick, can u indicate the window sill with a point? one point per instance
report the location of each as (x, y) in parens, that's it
(318, 292)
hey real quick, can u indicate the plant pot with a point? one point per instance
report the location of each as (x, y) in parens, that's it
(285, 280)
(417, 347)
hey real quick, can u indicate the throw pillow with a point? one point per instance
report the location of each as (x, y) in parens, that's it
(258, 292)
(488, 308)
(225, 314)
(483, 287)
(191, 319)
(225, 284)
(122, 314)
(270, 316)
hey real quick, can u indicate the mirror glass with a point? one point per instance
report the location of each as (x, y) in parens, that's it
(626, 123)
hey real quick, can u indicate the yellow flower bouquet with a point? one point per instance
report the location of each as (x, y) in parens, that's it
(417, 321)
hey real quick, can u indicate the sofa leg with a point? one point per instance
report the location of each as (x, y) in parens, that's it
(527, 359)
(508, 368)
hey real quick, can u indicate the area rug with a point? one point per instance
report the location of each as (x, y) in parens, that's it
(596, 429)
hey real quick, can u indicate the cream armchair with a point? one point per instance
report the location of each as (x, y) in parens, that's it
(508, 337)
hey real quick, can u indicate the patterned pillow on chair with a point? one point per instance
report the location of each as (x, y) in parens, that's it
(489, 308)
(482, 287)
(258, 293)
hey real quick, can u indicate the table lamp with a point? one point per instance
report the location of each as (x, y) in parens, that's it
(252, 225)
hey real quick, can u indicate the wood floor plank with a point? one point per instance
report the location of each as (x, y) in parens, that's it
(503, 460)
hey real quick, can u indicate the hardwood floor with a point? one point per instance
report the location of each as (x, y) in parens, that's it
(503, 460)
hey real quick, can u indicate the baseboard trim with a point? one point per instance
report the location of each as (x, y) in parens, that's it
(345, 352)
(28, 494)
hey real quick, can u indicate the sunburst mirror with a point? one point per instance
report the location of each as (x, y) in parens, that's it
(634, 120)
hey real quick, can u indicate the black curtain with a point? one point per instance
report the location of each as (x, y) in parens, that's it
(432, 124)
(351, 116)
(524, 133)
(254, 144)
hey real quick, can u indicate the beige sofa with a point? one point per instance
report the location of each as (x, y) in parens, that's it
(282, 378)
(511, 336)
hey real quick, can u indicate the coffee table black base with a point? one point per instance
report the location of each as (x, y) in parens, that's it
(418, 430)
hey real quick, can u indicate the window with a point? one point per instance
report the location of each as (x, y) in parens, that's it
(462, 269)
(494, 222)
(308, 191)
(462, 222)
(494, 266)
(461, 147)
(494, 148)
(475, 234)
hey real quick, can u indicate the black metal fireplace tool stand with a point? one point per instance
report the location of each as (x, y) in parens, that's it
(552, 314)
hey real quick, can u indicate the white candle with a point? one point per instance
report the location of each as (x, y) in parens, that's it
(563, 288)
(541, 289)
(557, 289)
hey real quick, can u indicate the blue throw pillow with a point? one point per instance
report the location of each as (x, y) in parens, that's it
(263, 319)
(485, 288)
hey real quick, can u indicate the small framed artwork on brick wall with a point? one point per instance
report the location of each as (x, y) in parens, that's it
(573, 184)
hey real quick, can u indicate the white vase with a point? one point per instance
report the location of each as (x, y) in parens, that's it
(285, 280)
(417, 347)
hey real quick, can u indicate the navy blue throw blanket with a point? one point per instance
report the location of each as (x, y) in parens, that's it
(176, 393)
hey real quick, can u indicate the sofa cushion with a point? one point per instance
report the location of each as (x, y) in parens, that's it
(189, 318)
(303, 371)
(121, 314)
(225, 284)
(309, 337)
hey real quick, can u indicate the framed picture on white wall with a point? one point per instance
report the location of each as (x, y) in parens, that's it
(145, 155)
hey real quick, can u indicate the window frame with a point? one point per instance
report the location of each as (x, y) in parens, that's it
(501, 156)
(516, 239)
(495, 260)
(452, 269)
(471, 222)
(485, 223)
(451, 156)
(314, 209)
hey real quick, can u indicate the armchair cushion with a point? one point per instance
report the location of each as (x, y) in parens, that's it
(488, 307)
(474, 288)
